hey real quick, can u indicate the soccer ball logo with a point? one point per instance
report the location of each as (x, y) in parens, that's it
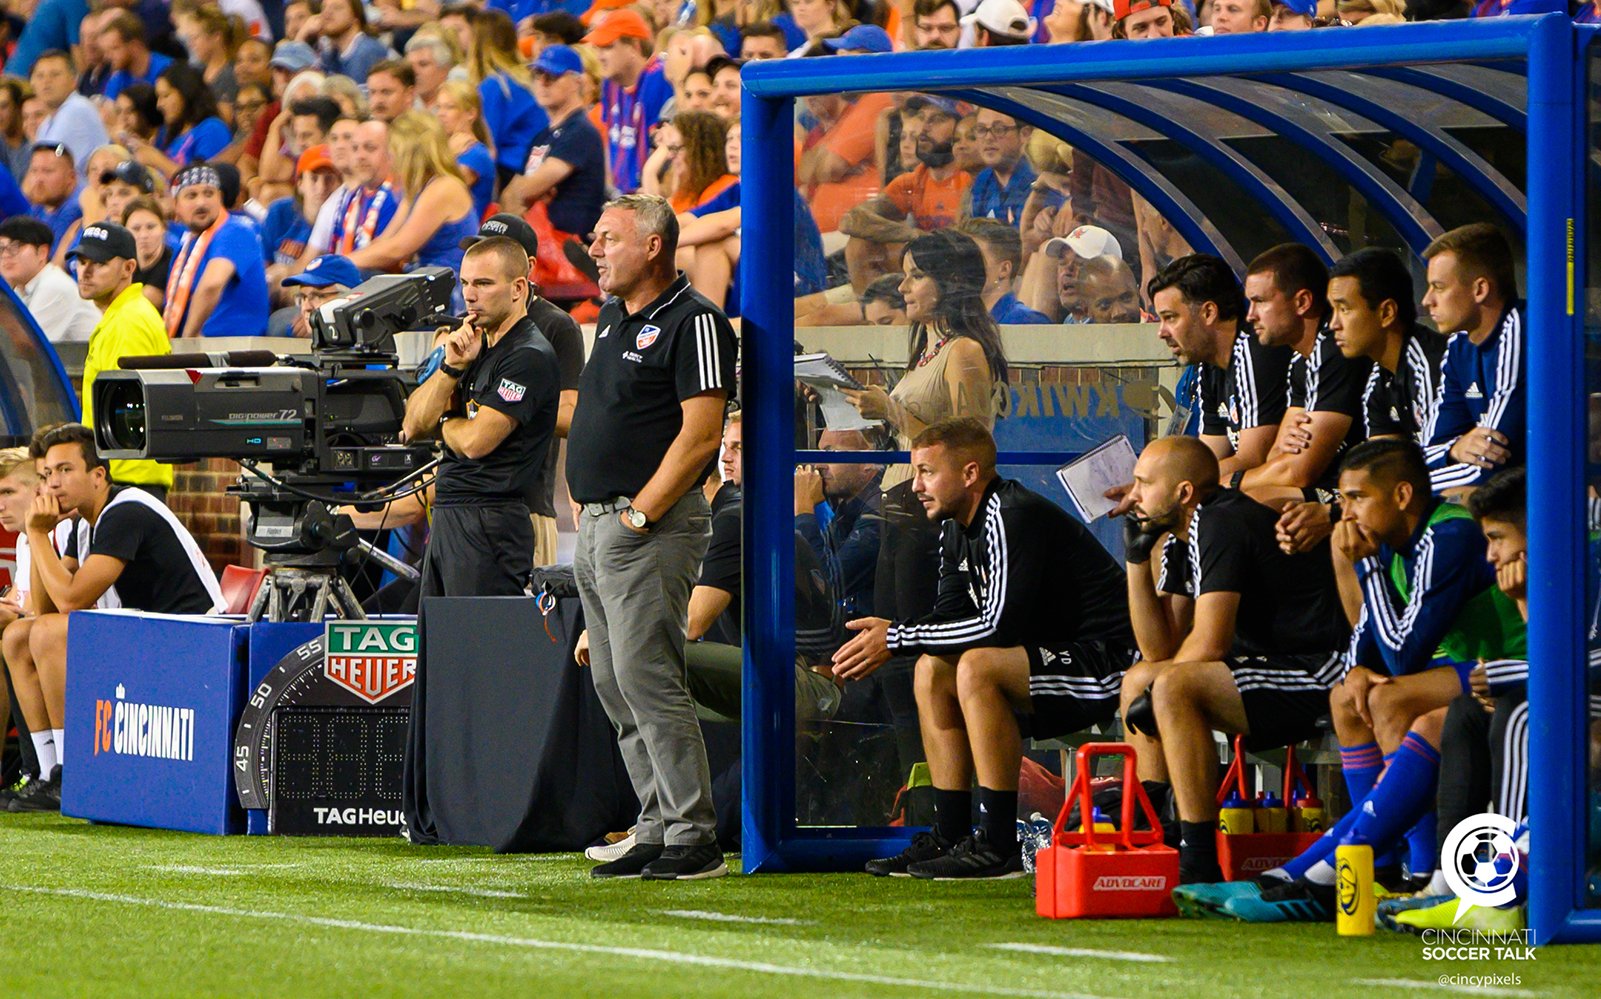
(1480, 861)
(1490, 861)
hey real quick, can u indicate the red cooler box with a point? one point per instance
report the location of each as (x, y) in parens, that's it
(1124, 873)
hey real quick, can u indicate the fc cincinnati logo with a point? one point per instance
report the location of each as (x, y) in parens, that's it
(647, 336)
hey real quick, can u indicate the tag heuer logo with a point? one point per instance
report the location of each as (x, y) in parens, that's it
(510, 390)
(647, 336)
(371, 660)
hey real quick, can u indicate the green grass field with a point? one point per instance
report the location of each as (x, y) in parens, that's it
(105, 911)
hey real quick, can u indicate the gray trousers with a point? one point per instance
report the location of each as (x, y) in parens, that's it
(635, 591)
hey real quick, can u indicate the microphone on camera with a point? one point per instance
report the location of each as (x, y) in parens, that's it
(214, 359)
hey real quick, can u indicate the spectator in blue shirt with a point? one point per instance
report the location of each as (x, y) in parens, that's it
(631, 96)
(460, 111)
(218, 283)
(72, 120)
(344, 40)
(193, 133)
(567, 162)
(51, 188)
(53, 26)
(1002, 248)
(122, 41)
(1002, 187)
(287, 228)
(495, 66)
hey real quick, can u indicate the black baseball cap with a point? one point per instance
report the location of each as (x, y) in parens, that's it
(132, 173)
(506, 224)
(105, 241)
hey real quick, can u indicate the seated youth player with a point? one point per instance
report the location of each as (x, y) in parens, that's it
(1260, 654)
(1430, 611)
(135, 544)
(1031, 617)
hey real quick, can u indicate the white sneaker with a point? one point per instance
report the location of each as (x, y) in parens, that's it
(607, 854)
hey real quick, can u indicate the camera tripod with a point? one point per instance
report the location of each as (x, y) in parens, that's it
(308, 587)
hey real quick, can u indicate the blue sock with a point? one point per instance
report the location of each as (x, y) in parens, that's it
(1323, 849)
(1382, 856)
(1423, 845)
(1402, 797)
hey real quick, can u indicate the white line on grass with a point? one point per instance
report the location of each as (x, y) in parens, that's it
(191, 869)
(480, 892)
(666, 956)
(1109, 955)
(723, 917)
(1474, 990)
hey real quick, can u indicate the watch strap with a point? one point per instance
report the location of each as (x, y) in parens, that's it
(452, 371)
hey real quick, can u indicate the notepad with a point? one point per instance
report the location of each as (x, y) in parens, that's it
(1087, 479)
(821, 369)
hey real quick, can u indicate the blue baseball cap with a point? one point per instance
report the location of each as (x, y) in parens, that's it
(294, 56)
(918, 102)
(862, 38)
(326, 270)
(1307, 8)
(557, 60)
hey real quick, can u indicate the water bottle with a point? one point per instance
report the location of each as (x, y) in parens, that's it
(1353, 884)
(1307, 815)
(1269, 815)
(1101, 823)
(1235, 817)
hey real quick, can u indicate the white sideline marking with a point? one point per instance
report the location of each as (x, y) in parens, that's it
(723, 917)
(666, 956)
(1475, 990)
(1110, 955)
(190, 869)
(480, 892)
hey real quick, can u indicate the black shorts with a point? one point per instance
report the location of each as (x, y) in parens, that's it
(1284, 695)
(1074, 685)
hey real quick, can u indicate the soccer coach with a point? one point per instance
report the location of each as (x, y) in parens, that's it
(493, 402)
(648, 421)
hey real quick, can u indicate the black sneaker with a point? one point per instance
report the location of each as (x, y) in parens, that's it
(924, 846)
(686, 863)
(39, 795)
(972, 859)
(22, 784)
(630, 864)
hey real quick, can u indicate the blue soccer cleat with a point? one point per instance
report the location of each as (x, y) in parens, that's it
(1299, 901)
(1206, 901)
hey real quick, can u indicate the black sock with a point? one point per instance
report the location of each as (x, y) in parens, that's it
(953, 814)
(997, 817)
(1198, 851)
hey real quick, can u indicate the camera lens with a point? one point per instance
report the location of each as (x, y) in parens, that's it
(122, 417)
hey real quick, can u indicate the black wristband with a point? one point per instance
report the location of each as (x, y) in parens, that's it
(1234, 480)
(455, 373)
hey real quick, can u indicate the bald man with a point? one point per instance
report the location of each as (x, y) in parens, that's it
(1107, 288)
(1235, 635)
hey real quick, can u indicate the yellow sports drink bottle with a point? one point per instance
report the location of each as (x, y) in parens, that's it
(1307, 815)
(1353, 880)
(1234, 816)
(1270, 815)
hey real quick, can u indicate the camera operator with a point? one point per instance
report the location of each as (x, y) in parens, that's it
(649, 417)
(568, 342)
(505, 376)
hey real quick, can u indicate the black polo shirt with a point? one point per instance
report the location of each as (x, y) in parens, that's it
(1289, 604)
(1251, 392)
(641, 368)
(568, 342)
(1400, 403)
(518, 376)
(1330, 382)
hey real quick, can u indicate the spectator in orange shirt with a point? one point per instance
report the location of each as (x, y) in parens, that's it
(927, 199)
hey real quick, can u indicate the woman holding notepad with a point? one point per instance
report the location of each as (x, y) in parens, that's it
(955, 367)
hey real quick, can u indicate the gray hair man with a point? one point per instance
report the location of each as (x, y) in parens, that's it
(649, 419)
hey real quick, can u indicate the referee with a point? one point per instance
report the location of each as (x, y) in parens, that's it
(493, 403)
(649, 419)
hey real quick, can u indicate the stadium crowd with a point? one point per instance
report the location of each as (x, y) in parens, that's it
(1337, 534)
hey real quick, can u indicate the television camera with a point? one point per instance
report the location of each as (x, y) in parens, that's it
(328, 426)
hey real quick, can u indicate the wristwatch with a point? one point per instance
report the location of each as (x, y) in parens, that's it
(638, 519)
(452, 371)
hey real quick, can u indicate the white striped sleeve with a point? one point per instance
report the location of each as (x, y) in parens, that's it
(708, 353)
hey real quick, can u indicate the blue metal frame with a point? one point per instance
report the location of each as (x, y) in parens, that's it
(45, 347)
(1551, 47)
